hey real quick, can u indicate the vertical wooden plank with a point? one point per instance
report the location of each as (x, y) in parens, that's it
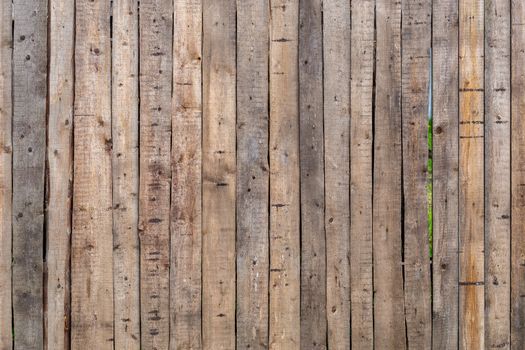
(92, 247)
(155, 85)
(284, 176)
(389, 320)
(29, 144)
(445, 175)
(60, 167)
(361, 131)
(6, 180)
(185, 273)
(497, 174)
(125, 133)
(218, 171)
(471, 211)
(252, 174)
(311, 160)
(416, 41)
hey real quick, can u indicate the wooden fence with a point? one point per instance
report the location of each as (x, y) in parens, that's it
(251, 174)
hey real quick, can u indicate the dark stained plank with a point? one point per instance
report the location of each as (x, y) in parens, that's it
(252, 174)
(29, 146)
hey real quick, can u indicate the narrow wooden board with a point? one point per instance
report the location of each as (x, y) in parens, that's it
(361, 136)
(218, 174)
(445, 175)
(471, 201)
(389, 318)
(497, 174)
(416, 41)
(311, 160)
(252, 174)
(92, 240)
(6, 180)
(29, 145)
(125, 130)
(155, 33)
(60, 172)
(185, 272)
(284, 177)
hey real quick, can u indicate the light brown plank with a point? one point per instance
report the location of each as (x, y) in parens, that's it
(125, 133)
(416, 41)
(336, 57)
(361, 135)
(6, 181)
(284, 177)
(445, 175)
(92, 240)
(185, 273)
(218, 171)
(252, 174)
(389, 320)
(60, 175)
(497, 174)
(29, 145)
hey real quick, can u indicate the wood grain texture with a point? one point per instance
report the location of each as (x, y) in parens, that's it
(125, 162)
(497, 174)
(29, 145)
(416, 41)
(155, 32)
(60, 173)
(311, 160)
(252, 174)
(445, 175)
(285, 301)
(361, 136)
(6, 180)
(186, 243)
(92, 247)
(218, 174)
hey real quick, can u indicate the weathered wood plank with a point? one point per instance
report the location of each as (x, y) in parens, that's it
(6, 181)
(361, 134)
(336, 57)
(60, 172)
(252, 174)
(218, 171)
(389, 320)
(445, 175)
(416, 41)
(29, 145)
(497, 174)
(92, 247)
(155, 30)
(284, 177)
(471, 211)
(125, 133)
(185, 273)
(311, 160)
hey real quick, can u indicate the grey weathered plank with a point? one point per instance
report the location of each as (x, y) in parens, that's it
(497, 174)
(92, 247)
(389, 320)
(284, 176)
(155, 81)
(6, 181)
(60, 172)
(311, 160)
(125, 133)
(252, 174)
(218, 171)
(29, 145)
(445, 175)
(416, 41)
(185, 273)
